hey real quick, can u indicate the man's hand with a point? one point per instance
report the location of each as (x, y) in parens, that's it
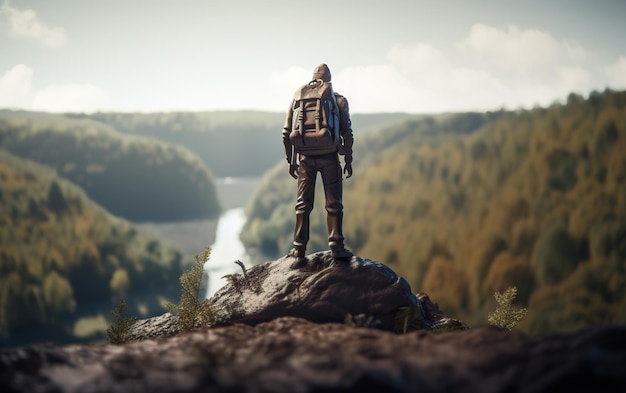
(348, 169)
(293, 171)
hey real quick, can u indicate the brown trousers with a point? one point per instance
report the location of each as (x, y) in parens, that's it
(330, 168)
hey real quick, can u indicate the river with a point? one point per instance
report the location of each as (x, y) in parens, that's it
(226, 249)
(234, 194)
(222, 234)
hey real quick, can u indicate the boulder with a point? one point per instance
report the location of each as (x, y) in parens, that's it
(356, 291)
(318, 288)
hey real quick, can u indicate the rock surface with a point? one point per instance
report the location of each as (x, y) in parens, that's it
(296, 355)
(320, 289)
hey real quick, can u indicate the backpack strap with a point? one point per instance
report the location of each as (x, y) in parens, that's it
(318, 115)
(300, 120)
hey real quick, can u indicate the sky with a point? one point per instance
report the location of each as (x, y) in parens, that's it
(410, 56)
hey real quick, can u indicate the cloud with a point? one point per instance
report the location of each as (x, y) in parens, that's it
(368, 88)
(430, 70)
(15, 87)
(489, 69)
(617, 74)
(514, 49)
(290, 78)
(283, 83)
(533, 64)
(71, 98)
(420, 78)
(16, 91)
(376, 88)
(26, 24)
(573, 79)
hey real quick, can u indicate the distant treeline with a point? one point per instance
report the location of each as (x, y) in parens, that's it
(63, 258)
(141, 179)
(465, 205)
(231, 143)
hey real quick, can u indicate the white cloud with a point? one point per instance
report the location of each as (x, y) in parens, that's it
(429, 68)
(573, 79)
(16, 91)
(15, 87)
(514, 49)
(290, 78)
(376, 88)
(491, 69)
(71, 98)
(576, 52)
(419, 59)
(25, 23)
(417, 78)
(617, 74)
(282, 84)
(373, 88)
(420, 78)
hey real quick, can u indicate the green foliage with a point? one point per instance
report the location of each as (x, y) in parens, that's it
(192, 312)
(58, 294)
(56, 200)
(505, 315)
(134, 177)
(63, 257)
(118, 332)
(556, 255)
(408, 319)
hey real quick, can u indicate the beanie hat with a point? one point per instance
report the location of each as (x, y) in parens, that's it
(322, 72)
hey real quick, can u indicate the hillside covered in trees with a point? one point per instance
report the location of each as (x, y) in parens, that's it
(231, 143)
(65, 261)
(464, 205)
(138, 178)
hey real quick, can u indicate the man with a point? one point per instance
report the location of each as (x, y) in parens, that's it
(313, 146)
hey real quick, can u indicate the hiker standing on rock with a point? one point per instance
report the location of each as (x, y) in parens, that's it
(317, 130)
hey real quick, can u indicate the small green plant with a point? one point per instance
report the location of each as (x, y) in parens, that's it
(191, 311)
(505, 315)
(236, 280)
(408, 319)
(118, 332)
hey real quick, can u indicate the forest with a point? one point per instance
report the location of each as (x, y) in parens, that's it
(463, 205)
(138, 178)
(65, 261)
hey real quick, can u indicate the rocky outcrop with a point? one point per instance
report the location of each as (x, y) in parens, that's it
(296, 355)
(321, 289)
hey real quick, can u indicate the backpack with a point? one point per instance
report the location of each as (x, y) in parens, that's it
(315, 119)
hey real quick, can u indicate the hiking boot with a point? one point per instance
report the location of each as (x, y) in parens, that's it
(343, 253)
(296, 253)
